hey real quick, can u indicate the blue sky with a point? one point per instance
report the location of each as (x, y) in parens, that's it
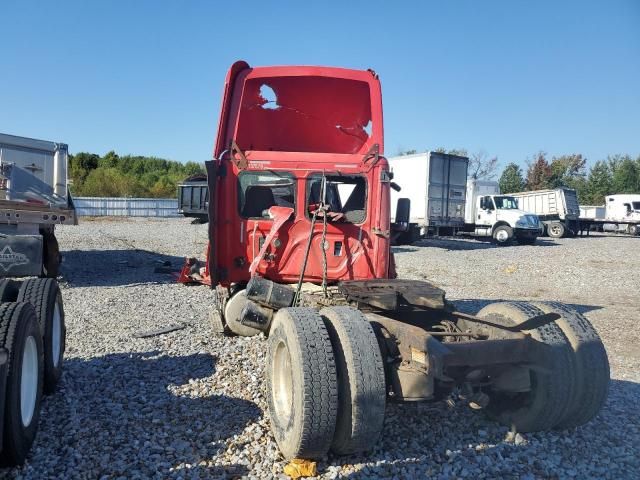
(506, 77)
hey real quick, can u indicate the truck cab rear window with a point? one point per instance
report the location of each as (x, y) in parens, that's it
(346, 196)
(259, 191)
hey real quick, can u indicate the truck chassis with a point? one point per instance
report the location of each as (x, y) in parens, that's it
(336, 357)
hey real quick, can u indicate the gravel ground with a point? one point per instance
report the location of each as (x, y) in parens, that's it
(188, 404)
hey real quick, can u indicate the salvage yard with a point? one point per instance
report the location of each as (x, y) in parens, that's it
(189, 404)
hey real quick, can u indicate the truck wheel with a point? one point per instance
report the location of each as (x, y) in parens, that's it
(361, 382)
(9, 290)
(502, 234)
(51, 256)
(556, 230)
(552, 378)
(20, 336)
(44, 294)
(302, 389)
(633, 230)
(592, 364)
(232, 310)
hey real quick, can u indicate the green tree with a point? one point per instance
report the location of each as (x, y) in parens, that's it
(599, 184)
(625, 174)
(539, 173)
(566, 169)
(511, 179)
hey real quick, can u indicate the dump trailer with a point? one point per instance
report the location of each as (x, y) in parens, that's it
(193, 198)
(33, 199)
(431, 194)
(299, 249)
(490, 214)
(558, 209)
(621, 214)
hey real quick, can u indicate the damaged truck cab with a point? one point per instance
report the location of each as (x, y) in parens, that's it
(299, 250)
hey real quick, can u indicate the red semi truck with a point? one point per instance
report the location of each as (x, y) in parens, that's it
(299, 249)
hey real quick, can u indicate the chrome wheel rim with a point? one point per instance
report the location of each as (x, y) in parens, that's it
(282, 382)
(29, 380)
(502, 236)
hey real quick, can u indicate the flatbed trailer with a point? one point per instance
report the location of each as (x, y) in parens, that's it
(34, 198)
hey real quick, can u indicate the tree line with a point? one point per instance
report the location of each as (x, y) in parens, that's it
(616, 174)
(127, 176)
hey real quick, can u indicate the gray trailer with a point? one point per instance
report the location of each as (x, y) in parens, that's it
(34, 198)
(193, 198)
(431, 199)
(557, 209)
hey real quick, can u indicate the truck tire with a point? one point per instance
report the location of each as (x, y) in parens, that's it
(592, 364)
(232, 309)
(9, 290)
(556, 230)
(502, 234)
(51, 257)
(44, 294)
(20, 336)
(302, 389)
(552, 384)
(362, 388)
(633, 230)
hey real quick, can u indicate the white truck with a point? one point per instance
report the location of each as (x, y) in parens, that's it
(431, 199)
(620, 213)
(558, 209)
(490, 214)
(33, 199)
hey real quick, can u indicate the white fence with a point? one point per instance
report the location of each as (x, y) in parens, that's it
(125, 207)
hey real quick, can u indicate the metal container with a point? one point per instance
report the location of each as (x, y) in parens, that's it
(436, 185)
(559, 203)
(193, 198)
(33, 171)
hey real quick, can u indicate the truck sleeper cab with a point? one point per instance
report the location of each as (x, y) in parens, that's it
(299, 249)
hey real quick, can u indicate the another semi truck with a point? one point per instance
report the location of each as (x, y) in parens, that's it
(34, 198)
(620, 213)
(558, 209)
(299, 249)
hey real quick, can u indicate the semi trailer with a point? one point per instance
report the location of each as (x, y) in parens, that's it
(431, 192)
(193, 198)
(558, 209)
(299, 249)
(34, 198)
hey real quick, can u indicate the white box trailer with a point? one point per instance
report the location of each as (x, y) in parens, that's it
(33, 199)
(435, 185)
(558, 209)
(620, 213)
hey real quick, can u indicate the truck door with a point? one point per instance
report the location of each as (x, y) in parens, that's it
(486, 211)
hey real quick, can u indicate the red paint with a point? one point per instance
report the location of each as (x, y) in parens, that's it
(322, 119)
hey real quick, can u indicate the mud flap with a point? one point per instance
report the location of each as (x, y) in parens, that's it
(20, 255)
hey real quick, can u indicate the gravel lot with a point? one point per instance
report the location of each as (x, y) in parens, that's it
(188, 404)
